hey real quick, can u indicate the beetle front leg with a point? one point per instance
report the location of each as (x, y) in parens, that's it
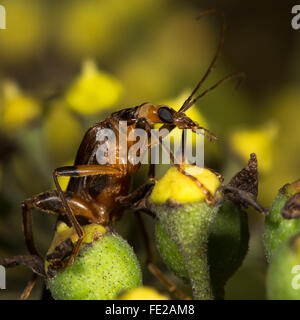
(137, 199)
(151, 173)
(209, 197)
(31, 283)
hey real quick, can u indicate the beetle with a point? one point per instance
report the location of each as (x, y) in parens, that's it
(99, 193)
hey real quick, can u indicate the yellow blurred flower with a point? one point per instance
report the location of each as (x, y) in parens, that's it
(93, 90)
(260, 141)
(142, 293)
(284, 108)
(17, 109)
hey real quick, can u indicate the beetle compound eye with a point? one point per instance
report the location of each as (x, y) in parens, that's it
(165, 115)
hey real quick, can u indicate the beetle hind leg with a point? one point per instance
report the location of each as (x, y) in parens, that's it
(51, 203)
(35, 263)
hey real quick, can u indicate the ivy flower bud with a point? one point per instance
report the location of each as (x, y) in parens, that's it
(227, 247)
(187, 219)
(200, 242)
(283, 278)
(282, 222)
(105, 265)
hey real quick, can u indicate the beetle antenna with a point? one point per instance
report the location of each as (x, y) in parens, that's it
(217, 55)
(240, 75)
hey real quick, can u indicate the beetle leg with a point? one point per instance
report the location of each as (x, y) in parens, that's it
(180, 168)
(51, 203)
(219, 175)
(151, 173)
(181, 151)
(169, 285)
(209, 197)
(133, 198)
(35, 263)
(31, 283)
(80, 171)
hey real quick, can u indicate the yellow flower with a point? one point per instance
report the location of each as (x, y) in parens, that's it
(64, 232)
(259, 141)
(17, 108)
(174, 185)
(142, 293)
(93, 90)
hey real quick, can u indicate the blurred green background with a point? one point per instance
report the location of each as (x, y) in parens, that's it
(65, 65)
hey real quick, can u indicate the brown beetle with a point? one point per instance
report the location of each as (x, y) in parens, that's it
(98, 193)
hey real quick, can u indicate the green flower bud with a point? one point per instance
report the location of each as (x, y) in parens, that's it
(201, 242)
(227, 247)
(279, 225)
(105, 266)
(283, 278)
(170, 253)
(184, 214)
